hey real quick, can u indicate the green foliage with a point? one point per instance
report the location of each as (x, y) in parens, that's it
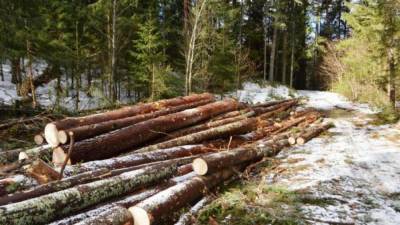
(254, 203)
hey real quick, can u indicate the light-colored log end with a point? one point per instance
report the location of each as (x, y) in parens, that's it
(62, 136)
(140, 216)
(51, 135)
(292, 140)
(59, 157)
(38, 139)
(300, 141)
(22, 156)
(200, 166)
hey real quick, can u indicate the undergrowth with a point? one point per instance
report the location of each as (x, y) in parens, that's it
(254, 203)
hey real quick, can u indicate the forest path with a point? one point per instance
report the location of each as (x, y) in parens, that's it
(352, 174)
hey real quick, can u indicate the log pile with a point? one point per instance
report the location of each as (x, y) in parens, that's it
(143, 164)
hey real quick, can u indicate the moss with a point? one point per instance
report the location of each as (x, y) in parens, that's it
(252, 203)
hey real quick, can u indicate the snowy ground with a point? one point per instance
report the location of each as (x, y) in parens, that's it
(46, 94)
(355, 168)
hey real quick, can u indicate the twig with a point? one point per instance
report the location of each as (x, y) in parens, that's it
(71, 145)
(229, 143)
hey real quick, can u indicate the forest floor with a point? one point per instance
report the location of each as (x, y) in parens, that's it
(350, 175)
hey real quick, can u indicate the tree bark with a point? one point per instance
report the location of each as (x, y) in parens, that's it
(273, 50)
(188, 218)
(46, 208)
(265, 113)
(88, 131)
(312, 132)
(135, 159)
(205, 126)
(239, 127)
(162, 205)
(51, 129)
(119, 141)
(217, 161)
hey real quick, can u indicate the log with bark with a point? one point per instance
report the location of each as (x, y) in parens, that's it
(88, 131)
(165, 203)
(205, 126)
(313, 132)
(269, 111)
(47, 208)
(188, 218)
(239, 127)
(134, 159)
(122, 140)
(42, 152)
(217, 161)
(51, 130)
(15, 183)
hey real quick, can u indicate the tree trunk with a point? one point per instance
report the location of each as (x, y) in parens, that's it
(392, 76)
(205, 126)
(135, 159)
(188, 218)
(312, 132)
(119, 141)
(45, 209)
(51, 129)
(217, 161)
(88, 131)
(30, 73)
(273, 50)
(284, 58)
(1, 71)
(162, 205)
(267, 112)
(240, 127)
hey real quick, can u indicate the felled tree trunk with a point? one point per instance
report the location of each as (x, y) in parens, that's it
(52, 129)
(313, 132)
(46, 208)
(217, 161)
(266, 112)
(242, 126)
(125, 139)
(167, 202)
(88, 131)
(205, 126)
(135, 159)
(188, 218)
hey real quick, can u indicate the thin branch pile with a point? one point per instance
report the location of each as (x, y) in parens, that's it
(144, 164)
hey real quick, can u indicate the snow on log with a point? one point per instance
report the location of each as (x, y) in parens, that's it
(122, 140)
(164, 204)
(46, 208)
(239, 127)
(312, 132)
(51, 129)
(187, 218)
(134, 159)
(88, 131)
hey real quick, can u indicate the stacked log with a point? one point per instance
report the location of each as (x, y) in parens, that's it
(51, 130)
(142, 164)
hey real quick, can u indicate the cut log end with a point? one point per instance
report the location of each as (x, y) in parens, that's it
(38, 139)
(59, 157)
(300, 141)
(51, 135)
(140, 216)
(22, 156)
(292, 140)
(200, 166)
(62, 136)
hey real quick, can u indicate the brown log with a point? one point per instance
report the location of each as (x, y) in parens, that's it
(42, 152)
(239, 127)
(10, 156)
(46, 208)
(42, 172)
(87, 177)
(122, 140)
(51, 129)
(313, 132)
(189, 217)
(217, 161)
(205, 126)
(271, 103)
(88, 131)
(134, 159)
(264, 110)
(165, 203)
